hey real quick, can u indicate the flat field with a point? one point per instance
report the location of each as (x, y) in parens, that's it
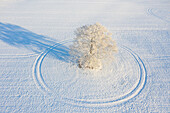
(36, 74)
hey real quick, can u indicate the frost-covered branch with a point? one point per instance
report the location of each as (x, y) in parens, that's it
(92, 44)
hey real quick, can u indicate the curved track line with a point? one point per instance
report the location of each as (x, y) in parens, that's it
(110, 102)
(150, 12)
(37, 75)
(38, 78)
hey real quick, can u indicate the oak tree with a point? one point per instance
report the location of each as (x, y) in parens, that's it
(92, 44)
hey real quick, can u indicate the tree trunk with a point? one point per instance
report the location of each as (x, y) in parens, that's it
(91, 46)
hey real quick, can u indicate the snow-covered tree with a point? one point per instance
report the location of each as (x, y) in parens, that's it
(92, 44)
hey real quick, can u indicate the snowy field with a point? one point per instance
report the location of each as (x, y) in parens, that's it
(35, 70)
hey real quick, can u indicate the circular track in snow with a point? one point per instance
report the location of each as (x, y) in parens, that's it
(68, 91)
(160, 14)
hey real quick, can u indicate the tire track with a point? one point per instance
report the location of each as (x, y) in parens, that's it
(124, 98)
(136, 89)
(36, 72)
(150, 12)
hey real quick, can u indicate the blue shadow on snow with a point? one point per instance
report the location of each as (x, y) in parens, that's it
(22, 38)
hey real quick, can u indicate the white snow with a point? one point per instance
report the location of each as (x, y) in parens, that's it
(36, 73)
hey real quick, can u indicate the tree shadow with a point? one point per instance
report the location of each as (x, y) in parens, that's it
(22, 38)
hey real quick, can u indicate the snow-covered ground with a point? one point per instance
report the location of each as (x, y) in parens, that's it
(35, 73)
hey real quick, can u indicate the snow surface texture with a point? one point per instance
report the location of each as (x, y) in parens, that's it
(35, 73)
